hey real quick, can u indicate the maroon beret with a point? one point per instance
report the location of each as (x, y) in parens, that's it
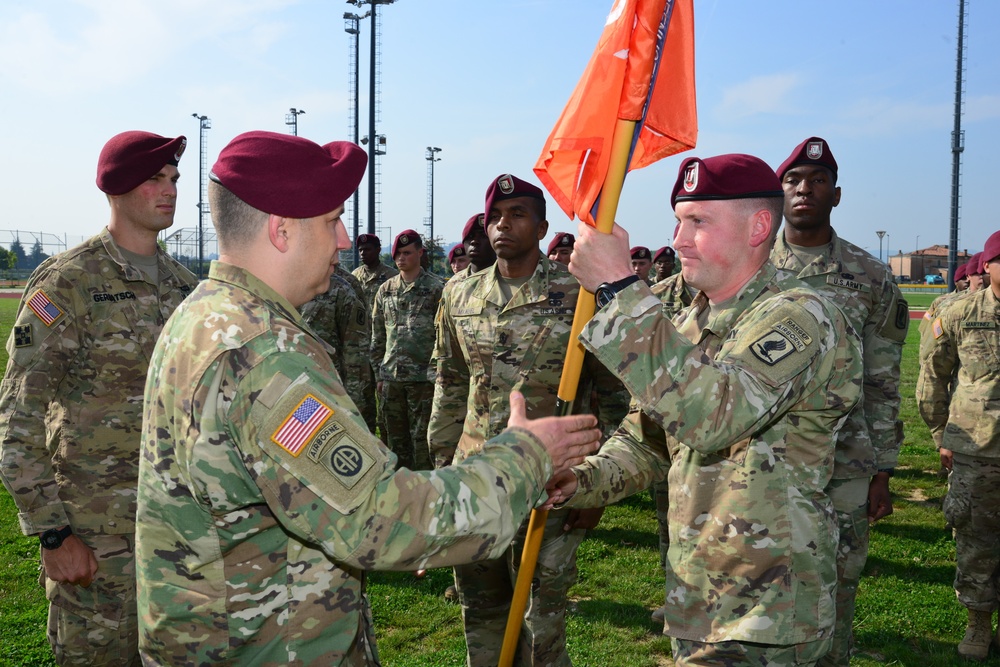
(457, 251)
(470, 225)
(962, 272)
(976, 264)
(561, 240)
(131, 157)
(992, 249)
(731, 176)
(508, 186)
(665, 251)
(813, 151)
(367, 238)
(289, 176)
(639, 252)
(405, 238)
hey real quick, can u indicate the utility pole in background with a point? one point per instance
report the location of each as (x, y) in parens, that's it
(204, 124)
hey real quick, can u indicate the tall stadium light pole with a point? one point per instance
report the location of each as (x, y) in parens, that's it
(432, 151)
(292, 120)
(353, 28)
(880, 235)
(957, 146)
(204, 124)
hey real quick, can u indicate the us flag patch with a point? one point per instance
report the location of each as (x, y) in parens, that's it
(301, 425)
(47, 311)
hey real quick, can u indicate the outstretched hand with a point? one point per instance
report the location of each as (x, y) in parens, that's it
(568, 440)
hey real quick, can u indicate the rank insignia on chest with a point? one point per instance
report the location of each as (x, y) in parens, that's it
(47, 311)
(22, 335)
(301, 424)
(772, 348)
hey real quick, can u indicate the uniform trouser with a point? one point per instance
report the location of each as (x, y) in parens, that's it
(972, 507)
(407, 410)
(485, 590)
(97, 625)
(661, 500)
(850, 500)
(688, 653)
(379, 411)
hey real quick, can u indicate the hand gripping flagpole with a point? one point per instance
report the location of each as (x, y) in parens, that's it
(569, 382)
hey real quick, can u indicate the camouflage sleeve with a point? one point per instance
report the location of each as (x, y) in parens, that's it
(339, 488)
(612, 397)
(939, 362)
(451, 389)
(633, 458)
(378, 343)
(708, 404)
(882, 347)
(40, 356)
(321, 316)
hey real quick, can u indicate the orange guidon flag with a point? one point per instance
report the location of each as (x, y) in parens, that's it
(642, 70)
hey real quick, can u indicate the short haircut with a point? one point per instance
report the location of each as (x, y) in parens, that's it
(775, 205)
(236, 222)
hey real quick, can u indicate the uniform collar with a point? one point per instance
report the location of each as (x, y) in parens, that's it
(831, 261)
(243, 279)
(534, 291)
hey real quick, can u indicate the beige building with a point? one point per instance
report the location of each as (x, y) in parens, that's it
(912, 267)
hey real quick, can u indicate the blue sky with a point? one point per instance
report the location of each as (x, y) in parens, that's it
(485, 81)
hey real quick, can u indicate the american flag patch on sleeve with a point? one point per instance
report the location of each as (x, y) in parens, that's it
(301, 425)
(47, 311)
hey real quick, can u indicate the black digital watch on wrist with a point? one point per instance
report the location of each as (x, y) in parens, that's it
(54, 537)
(606, 291)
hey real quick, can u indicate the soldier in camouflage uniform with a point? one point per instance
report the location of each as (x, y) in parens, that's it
(263, 497)
(477, 247)
(340, 317)
(458, 260)
(664, 262)
(561, 247)
(372, 273)
(743, 400)
(962, 286)
(79, 351)
(642, 262)
(958, 392)
(500, 330)
(402, 343)
(675, 295)
(864, 290)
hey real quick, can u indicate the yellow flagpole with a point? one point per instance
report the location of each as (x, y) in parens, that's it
(621, 144)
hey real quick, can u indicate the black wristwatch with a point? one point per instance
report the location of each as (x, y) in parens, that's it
(53, 537)
(606, 291)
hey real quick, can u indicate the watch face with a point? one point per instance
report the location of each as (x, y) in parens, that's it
(51, 539)
(603, 296)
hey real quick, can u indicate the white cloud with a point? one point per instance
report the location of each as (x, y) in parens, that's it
(759, 95)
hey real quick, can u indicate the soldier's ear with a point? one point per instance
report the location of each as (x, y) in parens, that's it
(278, 230)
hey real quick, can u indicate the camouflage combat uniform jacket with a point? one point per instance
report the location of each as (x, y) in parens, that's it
(79, 351)
(487, 348)
(674, 294)
(371, 280)
(263, 496)
(756, 402)
(958, 391)
(403, 328)
(863, 288)
(341, 318)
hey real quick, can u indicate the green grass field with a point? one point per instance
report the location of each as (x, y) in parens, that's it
(906, 615)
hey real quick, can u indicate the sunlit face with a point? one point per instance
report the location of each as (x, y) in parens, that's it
(561, 254)
(515, 228)
(810, 195)
(641, 267)
(711, 239)
(151, 205)
(317, 251)
(407, 258)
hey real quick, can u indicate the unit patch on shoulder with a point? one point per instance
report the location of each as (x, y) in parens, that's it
(793, 332)
(348, 462)
(301, 424)
(937, 328)
(22, 335)
(47, 311)
(772, 347)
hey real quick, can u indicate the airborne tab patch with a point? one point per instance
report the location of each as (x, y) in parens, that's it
(793, 332)
(772, 347)
(301, 424)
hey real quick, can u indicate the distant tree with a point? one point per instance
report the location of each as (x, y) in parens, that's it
(8, 261)
(37, 256)
(21, 258)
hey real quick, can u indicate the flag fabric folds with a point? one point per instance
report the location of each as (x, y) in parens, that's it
(642, 70)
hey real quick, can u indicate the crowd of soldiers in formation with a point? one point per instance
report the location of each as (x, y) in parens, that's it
(239, 530)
